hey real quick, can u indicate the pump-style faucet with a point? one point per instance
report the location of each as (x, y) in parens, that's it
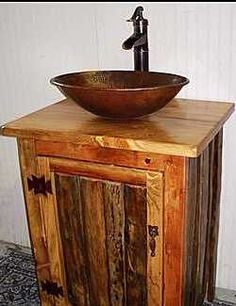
(138, 40)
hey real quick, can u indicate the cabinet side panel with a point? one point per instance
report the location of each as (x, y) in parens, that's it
(214, 214)
(136, 245)
(197, 220)
(191, 217)
(202, 223)
(28, 163)
(72, 235)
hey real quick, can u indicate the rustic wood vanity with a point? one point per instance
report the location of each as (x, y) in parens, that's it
(123, 213)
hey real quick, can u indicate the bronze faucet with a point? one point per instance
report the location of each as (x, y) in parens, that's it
(138, 40)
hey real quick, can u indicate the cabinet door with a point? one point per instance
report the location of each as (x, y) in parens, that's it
(110, 228)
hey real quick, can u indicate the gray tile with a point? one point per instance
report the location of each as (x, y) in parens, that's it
(223, 294)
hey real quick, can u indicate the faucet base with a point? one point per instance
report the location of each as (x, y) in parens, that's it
(141, 62)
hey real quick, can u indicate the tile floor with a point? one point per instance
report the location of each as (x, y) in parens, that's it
(17, 276)
(18, 284)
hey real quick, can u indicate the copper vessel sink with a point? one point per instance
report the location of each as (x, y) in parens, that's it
(120, 94)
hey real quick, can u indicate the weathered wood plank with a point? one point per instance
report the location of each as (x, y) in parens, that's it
(95, 233)
(200, 233)
(29, 167)
(210, 197)
(191, 208)
(215, 214)
(202, 223)
(135, 245)
(211, 174)
(155, 208)
(113, 199)
(73, 240)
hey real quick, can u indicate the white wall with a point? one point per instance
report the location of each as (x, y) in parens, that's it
(40, 40)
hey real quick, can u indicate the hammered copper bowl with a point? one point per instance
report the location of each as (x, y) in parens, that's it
(120, 94)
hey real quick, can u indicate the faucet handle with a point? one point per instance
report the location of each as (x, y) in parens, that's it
(137, 15)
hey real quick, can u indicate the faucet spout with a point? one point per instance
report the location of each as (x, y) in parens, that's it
(130, 42)
(138, 40)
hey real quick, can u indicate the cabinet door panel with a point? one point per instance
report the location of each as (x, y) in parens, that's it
(104, 236)
(97, 233)
(94, 239)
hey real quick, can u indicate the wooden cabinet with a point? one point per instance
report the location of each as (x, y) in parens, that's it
(123, 213)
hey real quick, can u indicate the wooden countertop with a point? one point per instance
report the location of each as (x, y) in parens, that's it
(183, 127)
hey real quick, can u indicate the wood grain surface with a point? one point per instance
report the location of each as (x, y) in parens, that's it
(155, 215)
(119, 157)
(29, 167)
(183, 127)
(172, 236)
(214, 215)
(98, 217)
(73, 240)
(197, 222)
(174, 227)
(52, 236)
(114, 212)
(135, 245)
(104, 234)
(99, 171)
(202, 223)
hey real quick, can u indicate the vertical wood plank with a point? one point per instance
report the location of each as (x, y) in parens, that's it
(195, 285)
(29, 167)
(72, 234)
(198, 290)
(202, 223)
(209, 217)
(51, 225)
(191, 216)
(135, 245)
(155, 207)
(113, 198)
(174, 227)
(215, 214)
(95, 233)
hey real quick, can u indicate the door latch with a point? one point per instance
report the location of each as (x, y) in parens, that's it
(153, 232)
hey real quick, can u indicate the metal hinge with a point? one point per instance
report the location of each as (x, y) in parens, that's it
(52, 288)
(39, 185)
